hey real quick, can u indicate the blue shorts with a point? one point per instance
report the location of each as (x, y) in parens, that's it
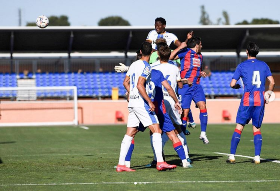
(246, 113)
(195, 93)
(165, 122)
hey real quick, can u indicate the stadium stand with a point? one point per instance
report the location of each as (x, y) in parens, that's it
(92, 84)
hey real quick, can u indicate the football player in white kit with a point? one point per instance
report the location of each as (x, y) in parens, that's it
(172, 74)
(160, 32)
(141, 109)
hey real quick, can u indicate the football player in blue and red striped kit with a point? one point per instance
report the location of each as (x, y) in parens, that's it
(191, 64)
(253, 73)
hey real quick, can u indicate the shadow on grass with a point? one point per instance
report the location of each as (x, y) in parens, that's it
(7, 142)
(177, 161)
(262, 161)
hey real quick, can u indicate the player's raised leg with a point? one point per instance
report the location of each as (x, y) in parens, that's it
(203, 121)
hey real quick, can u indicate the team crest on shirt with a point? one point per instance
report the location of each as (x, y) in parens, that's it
(196, 62)
(147, 70)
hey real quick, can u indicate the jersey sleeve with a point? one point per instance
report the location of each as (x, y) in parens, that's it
(178, 75)
(181, 54)
(128, 73)
(149, 36)
(268, 72)
(237, 73)
(173, 37)
(146, 71)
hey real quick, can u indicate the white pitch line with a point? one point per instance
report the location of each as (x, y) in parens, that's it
(84, 127)
(135, 183)
(275, 161)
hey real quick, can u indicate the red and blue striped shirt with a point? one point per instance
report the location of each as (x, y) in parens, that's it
(191, 63)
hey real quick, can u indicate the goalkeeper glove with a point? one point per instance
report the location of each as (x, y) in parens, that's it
(121, 68)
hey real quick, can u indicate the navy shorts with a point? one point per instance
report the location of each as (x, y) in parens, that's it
(246, 113)
(195, 93)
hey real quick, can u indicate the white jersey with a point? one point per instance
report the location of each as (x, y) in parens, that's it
(170, 72)
(153, 36)
(137, 69)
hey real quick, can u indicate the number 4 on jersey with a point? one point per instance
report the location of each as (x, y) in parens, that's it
(256, 80)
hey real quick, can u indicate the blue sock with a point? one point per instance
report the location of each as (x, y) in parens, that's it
(184, 124)
(258, 143)
(190, 117)
(130, 150)
(203, 119)
(180, 150)
(235, 141)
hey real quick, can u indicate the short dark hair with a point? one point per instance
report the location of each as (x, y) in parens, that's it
(160, 42)
(160, 19)
(146, 48)
(192, 42)
(164, 53)
(252, 49)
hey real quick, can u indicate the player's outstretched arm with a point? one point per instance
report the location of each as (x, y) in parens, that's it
(121, 68)
(173, 55)
(172, 94)
(142, 90)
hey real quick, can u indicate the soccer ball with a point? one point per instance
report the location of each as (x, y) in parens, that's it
(42, 21)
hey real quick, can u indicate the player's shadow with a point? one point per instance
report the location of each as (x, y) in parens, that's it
(177, 161)
(262, 161)
(7, 142)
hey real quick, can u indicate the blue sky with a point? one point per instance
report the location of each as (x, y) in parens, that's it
(138, 13)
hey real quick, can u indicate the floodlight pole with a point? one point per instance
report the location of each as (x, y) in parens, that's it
(70, 50)
(127, 46)
(238, 50)
(12, 50)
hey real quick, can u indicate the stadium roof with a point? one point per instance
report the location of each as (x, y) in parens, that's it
(215, 38)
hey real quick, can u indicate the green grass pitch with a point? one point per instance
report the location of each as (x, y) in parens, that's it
(72, 158)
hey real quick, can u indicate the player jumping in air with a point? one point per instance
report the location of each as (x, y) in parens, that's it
(253, 73)
(191, 64)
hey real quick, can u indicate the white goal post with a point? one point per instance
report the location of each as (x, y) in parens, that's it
(38, 106)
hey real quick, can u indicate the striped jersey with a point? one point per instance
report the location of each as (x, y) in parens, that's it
(137, 70)
(191, 64)
(253, 73)
(153, 36)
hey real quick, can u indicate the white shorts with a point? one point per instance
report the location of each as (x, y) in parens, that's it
(172, 111)
(141, 114)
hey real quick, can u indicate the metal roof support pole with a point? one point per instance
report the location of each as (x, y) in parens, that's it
(127, 47)
(70, 50)
(238, 50)
(12, 50)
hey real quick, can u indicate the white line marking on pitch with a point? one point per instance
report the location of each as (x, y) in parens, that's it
(84, 127)
(159, 182)
(275, 161)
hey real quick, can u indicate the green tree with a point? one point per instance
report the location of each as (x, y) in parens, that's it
(113, 21)
(204, 18)
(226, 18)
(54, 21)
(260, 21)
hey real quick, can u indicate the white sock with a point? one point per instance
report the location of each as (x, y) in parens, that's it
(157, 143)
(126, 142)
(203, 133)
(151, 141)
(127, 164)
(183, 140)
